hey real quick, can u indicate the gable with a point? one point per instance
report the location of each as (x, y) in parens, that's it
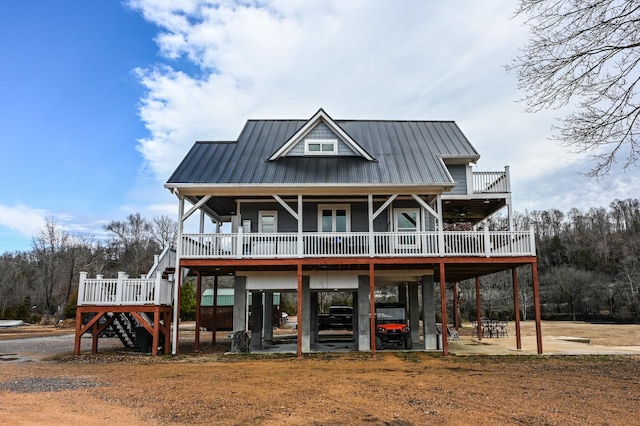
(320, 128)
(320, 133)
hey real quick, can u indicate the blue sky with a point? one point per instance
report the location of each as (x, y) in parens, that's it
(100, 100)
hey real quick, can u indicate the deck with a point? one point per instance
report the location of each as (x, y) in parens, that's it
(355, 244)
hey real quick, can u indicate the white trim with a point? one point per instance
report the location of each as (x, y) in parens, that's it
(322, 143)
(309, 125)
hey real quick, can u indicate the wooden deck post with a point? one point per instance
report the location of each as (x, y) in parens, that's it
(536, 303)
(372, 309)
(214, 321)
(196, 344)
(478, 309)
(516, 306)
(76, 342)
(299, 313)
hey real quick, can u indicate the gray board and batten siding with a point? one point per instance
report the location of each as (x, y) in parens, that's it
(404, 152)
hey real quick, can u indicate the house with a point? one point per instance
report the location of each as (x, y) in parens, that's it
(321, 205)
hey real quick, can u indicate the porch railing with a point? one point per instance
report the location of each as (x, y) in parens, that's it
(335, 244)
(124, 290)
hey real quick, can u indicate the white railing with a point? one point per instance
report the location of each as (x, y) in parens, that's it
(490, 182)
(333, 244)
(124, 290)
(162, 261)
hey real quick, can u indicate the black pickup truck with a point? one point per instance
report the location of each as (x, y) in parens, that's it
(338, 318)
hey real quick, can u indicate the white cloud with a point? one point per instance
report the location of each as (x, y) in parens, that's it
(24, 220)
(356, 59)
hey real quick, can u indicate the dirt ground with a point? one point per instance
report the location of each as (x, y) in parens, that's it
(394, 388)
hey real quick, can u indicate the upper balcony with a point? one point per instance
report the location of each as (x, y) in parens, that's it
(358, 244)
(491, 182)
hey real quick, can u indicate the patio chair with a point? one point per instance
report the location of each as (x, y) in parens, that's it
(452, 335)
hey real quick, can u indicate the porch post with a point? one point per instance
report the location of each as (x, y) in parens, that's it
(443, 303)
(177, 277)
(300, 236)
(299, 313)
(440, 226)
(372, 309)
(372, 245)
(198, 301)
(536, 303)
(478, 309)
(516, 306)
(214, 321)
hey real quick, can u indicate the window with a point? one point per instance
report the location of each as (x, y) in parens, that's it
(268, 221)
(334, 218)
(321, 146)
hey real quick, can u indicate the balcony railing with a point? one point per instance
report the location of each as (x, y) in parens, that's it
(124, 290)
(339, 244)
(490, 182)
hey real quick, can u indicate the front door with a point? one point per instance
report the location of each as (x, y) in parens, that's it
(406, 223)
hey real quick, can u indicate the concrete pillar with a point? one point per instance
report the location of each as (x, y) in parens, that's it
(414, 312)
(268, 317)
(402, 293)
(240, 304)
(364, 332)
(429, 313)
(305, 321)
(356, 325)
(315, 326)
(256, 321)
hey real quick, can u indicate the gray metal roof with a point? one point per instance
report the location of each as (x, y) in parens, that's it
(405, 152)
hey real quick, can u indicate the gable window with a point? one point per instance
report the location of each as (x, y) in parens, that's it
(334, 218)
(321, 146)
(268, 221)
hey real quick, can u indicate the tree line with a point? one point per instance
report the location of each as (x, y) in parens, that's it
(43, 282)
(588, 265)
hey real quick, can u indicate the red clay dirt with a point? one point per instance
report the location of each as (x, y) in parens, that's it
(394, 388)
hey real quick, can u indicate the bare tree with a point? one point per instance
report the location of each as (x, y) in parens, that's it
(585, 53)
(133, 240)
(48, 248)
(165, 231)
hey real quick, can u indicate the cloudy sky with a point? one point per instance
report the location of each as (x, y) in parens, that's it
(101, 100)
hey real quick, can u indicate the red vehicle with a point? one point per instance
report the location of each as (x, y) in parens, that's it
(391, 326)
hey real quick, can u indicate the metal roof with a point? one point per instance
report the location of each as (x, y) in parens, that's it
(404, 152)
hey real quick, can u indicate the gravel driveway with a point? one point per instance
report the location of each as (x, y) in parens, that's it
(37, 348)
